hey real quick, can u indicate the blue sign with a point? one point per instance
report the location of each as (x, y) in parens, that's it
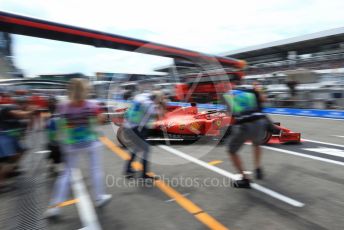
(335, 114)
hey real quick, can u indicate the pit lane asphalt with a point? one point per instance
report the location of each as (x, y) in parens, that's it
(317, 184)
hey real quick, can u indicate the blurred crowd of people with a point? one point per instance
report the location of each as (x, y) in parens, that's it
(20, 113)
(70, 126)
(71, 132)
(314, 65)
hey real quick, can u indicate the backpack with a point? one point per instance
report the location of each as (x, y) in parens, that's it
(241, 102)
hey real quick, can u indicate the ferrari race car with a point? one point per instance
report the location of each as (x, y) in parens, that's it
(189, 124)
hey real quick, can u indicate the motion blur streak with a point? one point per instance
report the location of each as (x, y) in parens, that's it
(255, 186)
(185, 203)
(85, 208)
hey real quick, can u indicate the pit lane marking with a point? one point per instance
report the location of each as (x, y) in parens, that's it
(85, 207)
(216, 162)
(324, 143)
(185, 203)
(338, 136)
(255, 186)
(304, 155)
(68, 202)
(328, 151)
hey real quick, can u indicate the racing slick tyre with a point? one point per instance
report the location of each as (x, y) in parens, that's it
(121, 137)
(267, 136)
(225, 134)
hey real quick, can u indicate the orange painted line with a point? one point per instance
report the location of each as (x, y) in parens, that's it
(114, 148)
(215, 162)
(68, 202)
(179, 198)
(185, 203)
(138, 166)
(209, 221)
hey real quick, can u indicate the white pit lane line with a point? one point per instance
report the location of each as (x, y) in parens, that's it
(213, 168)
(324, 143)
(304, 155)
(309, 156)
(328, 151)
(85, 207)
(338, 136)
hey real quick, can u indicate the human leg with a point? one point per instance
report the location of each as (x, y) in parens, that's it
(257, 152)
(145, 147)
(62, 184)
(237, 139)
(97, 176)
(258, 130)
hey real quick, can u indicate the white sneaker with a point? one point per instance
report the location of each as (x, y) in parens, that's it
(51, 213)
(103, 200)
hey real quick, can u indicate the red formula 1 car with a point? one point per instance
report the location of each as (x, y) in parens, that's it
(187, 123)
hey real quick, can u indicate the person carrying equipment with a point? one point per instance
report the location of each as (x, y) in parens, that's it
(250, 125)
(145, 108)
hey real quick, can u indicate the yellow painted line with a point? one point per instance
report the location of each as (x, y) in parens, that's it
(209, 221)
(68, 202)
(189, 206)
(114, 148)
(179, 198)
(138, 166)
(185, 203)
(215, 162)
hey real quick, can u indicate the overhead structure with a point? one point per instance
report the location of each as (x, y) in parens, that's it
(306, 44)
(33, 83)
(23, 25)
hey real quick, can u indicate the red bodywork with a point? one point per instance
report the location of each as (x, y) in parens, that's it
(189, 123)
(202, 88)
(284, 136)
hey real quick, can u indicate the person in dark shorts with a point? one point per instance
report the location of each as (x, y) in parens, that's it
(250, 125)
(53, 145)
(146, 107)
